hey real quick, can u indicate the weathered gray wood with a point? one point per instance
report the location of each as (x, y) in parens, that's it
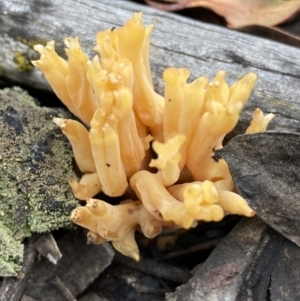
(47, 247)
(79, 266)
(274, 273)
(285, 284)
(151, 267)
(258, 279)
(221, 276)
(176, 41)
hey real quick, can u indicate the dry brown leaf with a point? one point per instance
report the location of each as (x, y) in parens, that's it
(239, 13)
(273, 33)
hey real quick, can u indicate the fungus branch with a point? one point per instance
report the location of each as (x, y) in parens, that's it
(114, 97)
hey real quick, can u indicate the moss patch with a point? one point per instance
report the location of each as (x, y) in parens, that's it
(22, 61)
(35, 163)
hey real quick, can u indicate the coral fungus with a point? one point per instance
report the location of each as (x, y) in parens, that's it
(114, 98)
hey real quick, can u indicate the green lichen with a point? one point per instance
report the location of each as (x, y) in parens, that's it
(23, 96)
(22, 60)
(11, 252)
(31, 43)
(35, 163)
(2, 70)
(279, 103)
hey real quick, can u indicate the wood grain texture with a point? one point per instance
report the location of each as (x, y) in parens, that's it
(274, 272)
(221, 276)
(176, 41)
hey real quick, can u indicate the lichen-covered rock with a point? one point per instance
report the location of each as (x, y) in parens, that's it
(11, 252)
(35, 163)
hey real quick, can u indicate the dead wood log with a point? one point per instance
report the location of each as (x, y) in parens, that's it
(79, 266)
(274, 272)
(151, 267)
(176, 41)
(221, 276)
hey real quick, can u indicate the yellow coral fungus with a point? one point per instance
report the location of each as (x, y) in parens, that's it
(259, 122)
(114, 97)
(116, 223)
